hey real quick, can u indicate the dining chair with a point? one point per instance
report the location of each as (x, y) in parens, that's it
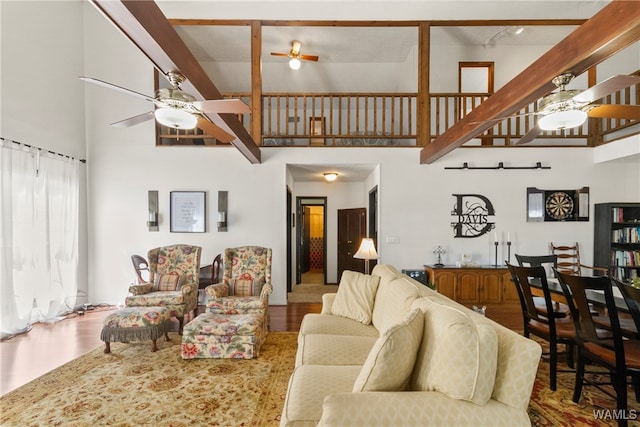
(620, 356)
(569, 259)
(141, 267)
(548, 262)
(631, 295)
(556, 329)
(212, 273)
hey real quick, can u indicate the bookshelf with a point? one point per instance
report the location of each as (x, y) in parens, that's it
(617, 240)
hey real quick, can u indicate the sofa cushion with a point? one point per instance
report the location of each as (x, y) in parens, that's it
(355, 296)
(308, 386)
(390, 361)
(457, 356)
(315, 323)
(396, 296)
(166, 282)
(246, 287)
(323, 349)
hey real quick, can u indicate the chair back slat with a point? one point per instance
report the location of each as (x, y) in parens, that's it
(522, 277)
(631, 297)
(575, 290)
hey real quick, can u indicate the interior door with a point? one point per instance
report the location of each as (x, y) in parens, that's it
(352, 227)
(306, 239)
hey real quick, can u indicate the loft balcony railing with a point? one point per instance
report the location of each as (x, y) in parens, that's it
(390, 119)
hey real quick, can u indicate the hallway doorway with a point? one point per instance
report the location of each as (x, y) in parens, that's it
(311, 246)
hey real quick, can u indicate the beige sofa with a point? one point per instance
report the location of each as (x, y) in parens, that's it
(388, 351)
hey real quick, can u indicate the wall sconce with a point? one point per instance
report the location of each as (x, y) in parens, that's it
(222, 211)
(330, 176)
(366, 251)
(152, 222)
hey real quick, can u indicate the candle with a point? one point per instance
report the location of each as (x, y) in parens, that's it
(508, 236)
(495, 236)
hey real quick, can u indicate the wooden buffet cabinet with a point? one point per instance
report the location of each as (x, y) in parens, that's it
(473, 285)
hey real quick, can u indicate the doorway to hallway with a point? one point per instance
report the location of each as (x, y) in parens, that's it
(311, 242)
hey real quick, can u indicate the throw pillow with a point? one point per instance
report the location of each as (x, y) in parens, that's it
(458, 356)
(390, 362)
(355, 296)
(246, 287)
(166, 282)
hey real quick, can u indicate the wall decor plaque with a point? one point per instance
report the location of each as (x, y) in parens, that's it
(472, 212)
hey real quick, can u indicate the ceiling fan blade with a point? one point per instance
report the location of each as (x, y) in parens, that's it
(215, 131)
(308, 57)
(609, 111)
(234, 106)
(607, 87)
(529, 136)
(279, 54)
(116, 87)
(131, 121)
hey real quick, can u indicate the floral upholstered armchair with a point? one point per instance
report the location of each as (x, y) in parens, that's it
(173, 281)
(246, 282)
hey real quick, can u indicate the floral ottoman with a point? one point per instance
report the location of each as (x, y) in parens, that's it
(136, 324)
(224, 336)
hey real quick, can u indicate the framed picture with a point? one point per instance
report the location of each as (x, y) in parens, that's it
(188, 212)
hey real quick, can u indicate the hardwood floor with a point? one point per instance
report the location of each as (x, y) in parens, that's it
(28, 356)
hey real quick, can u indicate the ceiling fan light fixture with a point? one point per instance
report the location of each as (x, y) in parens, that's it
(562, 120)
(294, 63)
(330, 176)
(174, 118)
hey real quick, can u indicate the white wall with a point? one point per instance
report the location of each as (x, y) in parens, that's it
(41, 62)
(41, 95)
(415, 200)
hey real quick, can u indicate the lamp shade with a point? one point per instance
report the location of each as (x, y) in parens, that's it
(175, 118)
(562, 120)
(367, 250)
(294, 63)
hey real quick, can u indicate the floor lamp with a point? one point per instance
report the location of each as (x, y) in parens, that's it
(366, 251)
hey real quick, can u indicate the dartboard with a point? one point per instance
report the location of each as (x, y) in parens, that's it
(559, 205)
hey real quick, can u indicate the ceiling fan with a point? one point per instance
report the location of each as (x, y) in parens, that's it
(178, 109)
(296, 56)
(566, 109)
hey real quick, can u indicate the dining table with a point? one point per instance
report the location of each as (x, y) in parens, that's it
(595, 297)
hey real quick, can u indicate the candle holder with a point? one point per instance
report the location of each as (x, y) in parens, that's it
(496, 254)
(508, 251)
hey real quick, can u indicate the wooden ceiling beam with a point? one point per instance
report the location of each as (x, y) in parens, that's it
(612, 29)
(145, 25)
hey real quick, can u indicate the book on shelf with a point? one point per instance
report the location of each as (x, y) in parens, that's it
(625, 235)
(625, 258)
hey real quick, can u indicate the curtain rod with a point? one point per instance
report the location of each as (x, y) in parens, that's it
(43, 149)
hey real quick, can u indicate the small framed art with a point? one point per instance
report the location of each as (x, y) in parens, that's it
(188, 212)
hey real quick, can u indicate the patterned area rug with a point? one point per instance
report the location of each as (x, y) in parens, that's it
(133, 386)
(556, 408)
(310, 293)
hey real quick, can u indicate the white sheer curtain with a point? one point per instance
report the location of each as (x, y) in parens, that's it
(39, 210)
